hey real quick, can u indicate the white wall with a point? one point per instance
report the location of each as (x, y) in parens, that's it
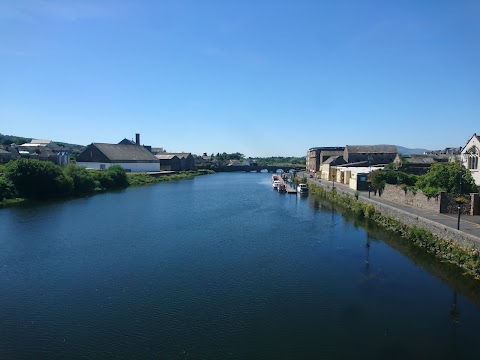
(475, 173)
(133, 167)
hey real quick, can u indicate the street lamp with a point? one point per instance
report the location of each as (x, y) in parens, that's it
(459, 202)
(370, 158)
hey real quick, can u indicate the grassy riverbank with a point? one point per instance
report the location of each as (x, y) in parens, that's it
(138, 179)
(467, 259)
(134, 179)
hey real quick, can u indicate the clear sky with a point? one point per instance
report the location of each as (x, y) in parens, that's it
(259, 77)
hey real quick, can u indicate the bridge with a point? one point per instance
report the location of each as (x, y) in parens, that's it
(257, 168)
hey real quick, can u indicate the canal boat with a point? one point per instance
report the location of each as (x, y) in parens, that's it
(302, 189)
(282, 188)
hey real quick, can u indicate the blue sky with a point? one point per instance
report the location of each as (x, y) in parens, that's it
(259, 77)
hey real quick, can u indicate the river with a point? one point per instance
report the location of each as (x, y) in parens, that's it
(220, 267)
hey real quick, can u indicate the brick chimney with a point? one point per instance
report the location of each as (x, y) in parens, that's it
(137, 139)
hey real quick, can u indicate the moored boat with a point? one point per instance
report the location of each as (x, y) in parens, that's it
(302, 189)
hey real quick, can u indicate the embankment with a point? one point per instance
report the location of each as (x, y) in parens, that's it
(445, 243)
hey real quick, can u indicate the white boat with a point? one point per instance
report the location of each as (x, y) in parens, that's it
(302, 188)
(275, 184)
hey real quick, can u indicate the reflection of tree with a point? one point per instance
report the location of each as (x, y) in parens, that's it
(367, 256)
(454, 313)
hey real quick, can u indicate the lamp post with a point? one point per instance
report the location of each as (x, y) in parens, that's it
(370, 158)
(459, 203)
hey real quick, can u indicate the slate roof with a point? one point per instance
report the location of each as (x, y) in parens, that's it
(166, 157)
(425, 159)
(181, 155)
(127, 142)
(40, 141)
(372, 149)
(121, 152)
(334, 159)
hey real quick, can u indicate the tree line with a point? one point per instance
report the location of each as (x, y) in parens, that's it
(35, 179)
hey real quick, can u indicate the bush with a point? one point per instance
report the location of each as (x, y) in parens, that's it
(103, 180)
(35, 179)
(7, 189)
(83, 181)
(118, 175)
(114, 177)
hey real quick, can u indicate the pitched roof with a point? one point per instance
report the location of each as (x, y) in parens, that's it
(121, 152)
(39, 141)
(181, 155)
(332, 159)
(372, 149)
(166, 157)
(424, 159)
(127, 142)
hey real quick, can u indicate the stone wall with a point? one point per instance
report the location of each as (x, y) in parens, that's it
(475, 208)
(443, 232)
(418, 200)
(444, 203)
(450, 206)
(435, 228)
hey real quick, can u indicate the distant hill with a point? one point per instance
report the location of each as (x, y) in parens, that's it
(9, 139)
(407, 151)
(14, 139)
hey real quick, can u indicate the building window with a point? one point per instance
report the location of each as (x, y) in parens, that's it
(472, 158)
(102, 166)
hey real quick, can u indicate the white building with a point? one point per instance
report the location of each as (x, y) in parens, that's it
(133, 158)
(469, 157)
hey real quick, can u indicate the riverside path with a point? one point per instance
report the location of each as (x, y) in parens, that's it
(468, 224)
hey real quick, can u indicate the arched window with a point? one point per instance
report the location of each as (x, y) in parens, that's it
(472, 158)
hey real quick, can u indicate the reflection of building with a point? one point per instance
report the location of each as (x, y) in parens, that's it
(470, 154)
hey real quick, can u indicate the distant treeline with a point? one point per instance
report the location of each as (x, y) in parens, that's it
(280, 160)
(263, 161)
(11, 139)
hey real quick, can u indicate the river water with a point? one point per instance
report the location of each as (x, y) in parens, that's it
(221, 267)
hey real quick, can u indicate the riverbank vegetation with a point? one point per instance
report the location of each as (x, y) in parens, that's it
(31, 179)
(139, 179)
(467, 259)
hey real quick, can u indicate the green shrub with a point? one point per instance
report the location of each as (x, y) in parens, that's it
(118, 175)
(83, 181)
(7, 189)
(103, 179)
(35, 179)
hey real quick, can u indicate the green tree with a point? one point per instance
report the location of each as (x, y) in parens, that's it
(83, 181)
(7, 189)
(446, 177)
(35, 179)
(118, 175)
(103, 179)
(114, 177)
